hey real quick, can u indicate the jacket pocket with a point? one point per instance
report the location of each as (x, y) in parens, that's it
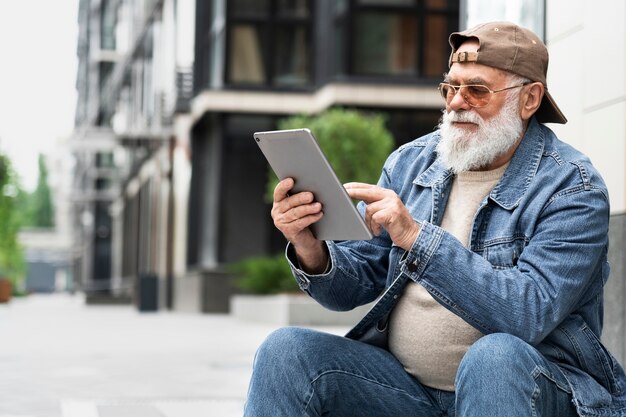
(607, 365)
(578, 346)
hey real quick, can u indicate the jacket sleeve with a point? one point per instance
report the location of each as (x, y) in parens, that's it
(358, 270)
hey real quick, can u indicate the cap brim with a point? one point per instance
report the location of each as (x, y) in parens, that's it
(549, 112)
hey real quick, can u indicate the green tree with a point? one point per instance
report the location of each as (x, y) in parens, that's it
(36, 209)
(23, 215)
(43, 210)
(12, 264)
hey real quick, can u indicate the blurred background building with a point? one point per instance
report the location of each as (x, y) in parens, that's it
(168, 184)
(134, 85)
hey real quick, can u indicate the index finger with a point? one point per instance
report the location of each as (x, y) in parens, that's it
(366, 192)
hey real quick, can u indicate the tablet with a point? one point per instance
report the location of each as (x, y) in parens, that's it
(296, 154)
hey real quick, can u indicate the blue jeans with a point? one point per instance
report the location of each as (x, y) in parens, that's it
(302, 372)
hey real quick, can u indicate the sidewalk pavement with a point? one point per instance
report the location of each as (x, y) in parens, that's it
(62, 358)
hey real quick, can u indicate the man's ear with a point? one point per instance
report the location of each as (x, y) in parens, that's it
(531, 99)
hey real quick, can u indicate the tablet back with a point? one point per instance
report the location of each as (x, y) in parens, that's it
(296, 154)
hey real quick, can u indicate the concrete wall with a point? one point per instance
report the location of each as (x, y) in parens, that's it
(587, 78)
(207, 291)
(614, 335)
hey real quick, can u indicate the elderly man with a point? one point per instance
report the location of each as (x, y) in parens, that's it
(488, 265)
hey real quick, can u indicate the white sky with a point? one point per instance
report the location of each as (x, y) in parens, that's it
(37, 79)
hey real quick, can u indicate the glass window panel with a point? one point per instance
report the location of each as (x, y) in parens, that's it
(245, 65)
(435, 51)
(291, 59)
(437, 4)
(408, 124)
(340, 7)
(293, 8)
(106, 68)
(108, 26)
(104, 160)
(339, 50)
(236, 125)
(249, 8)
(528, 13)
(387, 2)
(385, 44)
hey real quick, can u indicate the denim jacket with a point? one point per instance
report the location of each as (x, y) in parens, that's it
(535, 267)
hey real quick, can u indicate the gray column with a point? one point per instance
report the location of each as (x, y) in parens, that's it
(614, 333)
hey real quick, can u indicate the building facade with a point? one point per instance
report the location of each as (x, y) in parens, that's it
(133, 84)
(168, 182)
(259, 61)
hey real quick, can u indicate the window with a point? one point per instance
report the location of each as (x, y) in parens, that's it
(269, 43)
(387, 2)
(108, 25)
(206, 37)
(385, 44)
(104, 160)
(528, 13)
(398, 38)
(246, 63)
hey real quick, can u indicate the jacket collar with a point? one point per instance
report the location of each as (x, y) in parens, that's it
(522, 169)
(517, 177)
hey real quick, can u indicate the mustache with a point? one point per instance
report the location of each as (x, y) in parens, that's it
(463, 117)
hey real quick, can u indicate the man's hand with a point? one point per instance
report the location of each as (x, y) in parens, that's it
(385, 209)
(292, 215)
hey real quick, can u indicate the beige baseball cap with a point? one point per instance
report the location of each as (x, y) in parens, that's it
(512, 48)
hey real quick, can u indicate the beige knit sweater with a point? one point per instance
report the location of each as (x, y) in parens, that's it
(428, 339)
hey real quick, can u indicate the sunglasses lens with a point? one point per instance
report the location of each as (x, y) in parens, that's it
(474, 95)
(477, 95)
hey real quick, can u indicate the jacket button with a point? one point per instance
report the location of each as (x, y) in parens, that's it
(412, 267)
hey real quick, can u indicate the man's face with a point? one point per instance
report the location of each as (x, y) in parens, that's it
(479, 138)
(472, 73)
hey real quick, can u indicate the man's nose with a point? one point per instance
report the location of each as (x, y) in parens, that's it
(458, 102)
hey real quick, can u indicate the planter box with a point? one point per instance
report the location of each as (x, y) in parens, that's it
(291, 310)
(203, 291)
(5, 290)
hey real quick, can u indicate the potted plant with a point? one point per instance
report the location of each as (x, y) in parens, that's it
(5, 290)
(356, 145)
(271, 295)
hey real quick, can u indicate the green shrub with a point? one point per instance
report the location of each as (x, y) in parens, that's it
(12, 263)
(355, 143)
(264, 275)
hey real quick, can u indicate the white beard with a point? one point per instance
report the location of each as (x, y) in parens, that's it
(461, 150)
